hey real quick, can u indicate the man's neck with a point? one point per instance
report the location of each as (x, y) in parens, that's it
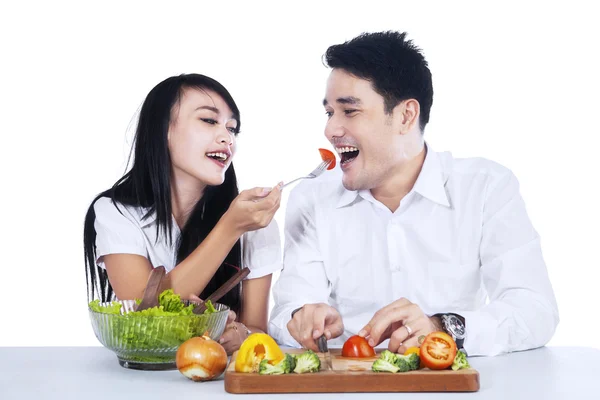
(401, 181)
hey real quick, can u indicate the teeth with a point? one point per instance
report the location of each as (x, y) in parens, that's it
(222, 156)
(341, 150)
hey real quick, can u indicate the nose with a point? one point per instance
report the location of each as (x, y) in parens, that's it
(225, 137)
(334, 129)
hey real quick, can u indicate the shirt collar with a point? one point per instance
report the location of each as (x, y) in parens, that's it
(430, 183)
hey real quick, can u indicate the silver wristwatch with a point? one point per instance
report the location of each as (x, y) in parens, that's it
(455, 328)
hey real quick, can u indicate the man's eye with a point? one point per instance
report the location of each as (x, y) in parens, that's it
(209, 121)
(233, 130)
(329, 113)
(348, 112)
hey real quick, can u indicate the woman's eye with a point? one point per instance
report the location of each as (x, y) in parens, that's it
(329, 113)
(348, 112)
(209, 121)
(233, 130)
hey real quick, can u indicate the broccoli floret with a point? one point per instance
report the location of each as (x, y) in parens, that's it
(307, 362)
(390, 362)
(264, 368)
(381, 365)
(408, 363)
(402, 364)
(388, 356)
(460, 361)
(284, 366)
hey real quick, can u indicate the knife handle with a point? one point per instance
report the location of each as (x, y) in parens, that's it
(322, 344)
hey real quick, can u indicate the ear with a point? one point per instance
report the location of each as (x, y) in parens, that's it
(407, 112)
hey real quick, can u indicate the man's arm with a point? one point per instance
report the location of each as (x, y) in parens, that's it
(522, 312)
(303, 279)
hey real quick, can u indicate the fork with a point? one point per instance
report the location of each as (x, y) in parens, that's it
(315, 172)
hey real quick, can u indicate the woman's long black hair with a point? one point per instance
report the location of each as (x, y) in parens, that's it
(148, 184)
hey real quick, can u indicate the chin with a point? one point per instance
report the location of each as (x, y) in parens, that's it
(354, 182)
(216, 182)
(350, 184)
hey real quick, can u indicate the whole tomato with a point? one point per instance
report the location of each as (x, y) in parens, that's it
(357, 346)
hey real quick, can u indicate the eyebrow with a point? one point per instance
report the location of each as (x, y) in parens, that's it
(216, 111)
(213, 109)
(345, 100)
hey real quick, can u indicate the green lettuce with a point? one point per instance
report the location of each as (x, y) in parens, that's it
(138, 332)
(113, 308)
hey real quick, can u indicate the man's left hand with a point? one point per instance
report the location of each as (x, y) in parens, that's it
(402, 322)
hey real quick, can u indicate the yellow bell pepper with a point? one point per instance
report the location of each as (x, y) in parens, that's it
(254, 349)
(416, 350)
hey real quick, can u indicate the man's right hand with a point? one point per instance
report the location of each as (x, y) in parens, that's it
(314, 320)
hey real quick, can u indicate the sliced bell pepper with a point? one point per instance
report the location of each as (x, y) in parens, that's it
(254, 349)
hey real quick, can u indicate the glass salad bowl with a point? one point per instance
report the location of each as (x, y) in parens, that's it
(149, 339)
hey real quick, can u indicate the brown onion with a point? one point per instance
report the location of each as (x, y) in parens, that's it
(201, 359)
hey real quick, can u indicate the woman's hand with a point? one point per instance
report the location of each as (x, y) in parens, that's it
(234, 335)
(253, 209)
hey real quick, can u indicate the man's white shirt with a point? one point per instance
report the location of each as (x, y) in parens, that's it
(461, 241)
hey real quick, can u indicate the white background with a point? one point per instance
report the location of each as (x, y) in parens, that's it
(518, 84)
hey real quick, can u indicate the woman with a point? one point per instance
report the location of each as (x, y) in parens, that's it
(179, 207)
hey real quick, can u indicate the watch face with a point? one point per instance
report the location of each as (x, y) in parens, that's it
(455, 326)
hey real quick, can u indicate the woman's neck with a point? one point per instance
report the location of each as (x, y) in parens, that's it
(185, 193)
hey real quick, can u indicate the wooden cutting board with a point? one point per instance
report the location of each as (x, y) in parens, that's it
(351, 375)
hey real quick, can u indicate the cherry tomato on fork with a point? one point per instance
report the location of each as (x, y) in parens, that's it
(327, 155)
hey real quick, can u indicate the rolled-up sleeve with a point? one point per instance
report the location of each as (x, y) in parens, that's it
(303, 279)
(522, 312)
(115, 232)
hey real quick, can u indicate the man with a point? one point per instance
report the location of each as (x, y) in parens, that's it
(408, 241)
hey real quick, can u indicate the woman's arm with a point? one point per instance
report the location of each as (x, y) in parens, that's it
(254, 313)
(255, 303)
(128, 273)
(250, 210)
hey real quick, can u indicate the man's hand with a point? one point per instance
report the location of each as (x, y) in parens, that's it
(314, 320)
(402, 322)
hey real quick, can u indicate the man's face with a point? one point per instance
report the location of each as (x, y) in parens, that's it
(367, 139)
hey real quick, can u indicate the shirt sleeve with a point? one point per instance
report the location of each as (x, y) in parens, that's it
(303, 279)
(522, 312)
(115, 232)
(262, 251)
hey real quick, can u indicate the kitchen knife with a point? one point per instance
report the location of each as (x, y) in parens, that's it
(322, 345)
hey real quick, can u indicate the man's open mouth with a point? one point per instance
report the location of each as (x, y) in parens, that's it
(347, 154)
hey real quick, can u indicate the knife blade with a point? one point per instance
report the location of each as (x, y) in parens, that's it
(322, 345)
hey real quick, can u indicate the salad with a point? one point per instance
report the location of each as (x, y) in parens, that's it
(146, 331)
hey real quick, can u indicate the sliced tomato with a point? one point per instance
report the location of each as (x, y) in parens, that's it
(357, 346)
(437, 350)
(327, 155)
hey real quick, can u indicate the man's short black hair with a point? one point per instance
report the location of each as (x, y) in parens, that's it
(395, 67)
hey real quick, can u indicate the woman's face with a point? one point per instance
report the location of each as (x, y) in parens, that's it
(201, 138)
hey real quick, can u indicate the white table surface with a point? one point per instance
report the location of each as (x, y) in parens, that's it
(89, 373)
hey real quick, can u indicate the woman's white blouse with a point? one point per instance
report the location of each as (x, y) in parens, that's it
(124, 231)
